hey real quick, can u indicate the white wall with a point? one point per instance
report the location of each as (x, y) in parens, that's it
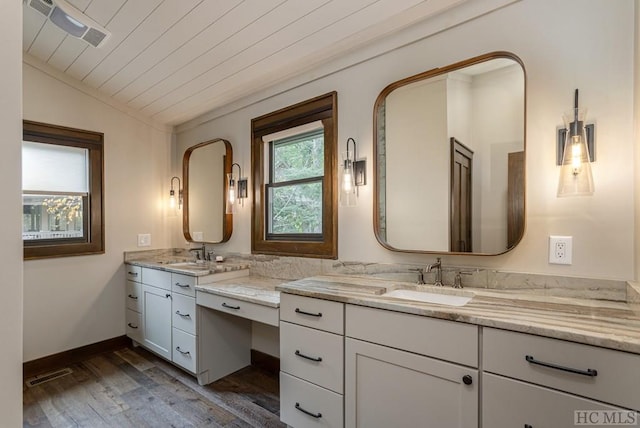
(417, 171)
(542, 35)
(10, 226)
(636, 136)
(498, 103)
(74, 301)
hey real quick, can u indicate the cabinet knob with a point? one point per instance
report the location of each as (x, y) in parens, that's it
(467, 379)
(528, 426)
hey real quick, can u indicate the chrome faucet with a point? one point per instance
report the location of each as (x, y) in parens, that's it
(438, 267)
(202, 250)
(420, 275)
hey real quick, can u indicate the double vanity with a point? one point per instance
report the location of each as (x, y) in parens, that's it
(370, 352)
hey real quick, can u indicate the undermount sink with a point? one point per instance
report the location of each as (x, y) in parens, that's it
(428, 297)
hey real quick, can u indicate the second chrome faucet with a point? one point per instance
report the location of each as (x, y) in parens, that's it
(438, 270)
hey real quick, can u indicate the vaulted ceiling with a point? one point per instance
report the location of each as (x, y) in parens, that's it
(175, 59)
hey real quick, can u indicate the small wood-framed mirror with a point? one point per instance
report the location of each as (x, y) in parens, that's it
(204, 170)
(449, 152)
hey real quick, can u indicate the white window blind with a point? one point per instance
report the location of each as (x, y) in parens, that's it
(54, 168)
(302, 129)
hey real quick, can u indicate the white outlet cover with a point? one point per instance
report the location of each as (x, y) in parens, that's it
(144, 239)
(560, 250)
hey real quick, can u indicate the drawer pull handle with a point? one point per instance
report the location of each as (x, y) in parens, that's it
(299, 311)
(182, 352)
(300, 354)
(168, 296)
(182, 315)
(133, 273)
(132, 326)
(182, 285)
(133, 297)
(229, 306)
(306, 412)
(587, 372)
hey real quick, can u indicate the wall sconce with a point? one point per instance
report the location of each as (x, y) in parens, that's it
(353, 175)
(577, 149)
(237, 189)
(172, 194)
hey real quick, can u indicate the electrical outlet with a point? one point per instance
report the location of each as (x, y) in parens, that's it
(144, 239)
(560, 249)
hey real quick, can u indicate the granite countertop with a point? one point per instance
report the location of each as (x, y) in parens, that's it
(252, 289)
(185, 267)
(614, 325)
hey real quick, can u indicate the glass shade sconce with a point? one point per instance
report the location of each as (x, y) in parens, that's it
(172, 195)
(237, 190)
(353, 175)
(575, 153)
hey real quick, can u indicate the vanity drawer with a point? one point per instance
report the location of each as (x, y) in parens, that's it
(240, 308)
(616, 381)
(134, 273)
(298, 396)
(184, 350)
(156, 278)
(134, 325)
(510, 403)
(134, 292)
(183, 284)
(184, 313)
(301, 347)
(446, 340)
(315, 313)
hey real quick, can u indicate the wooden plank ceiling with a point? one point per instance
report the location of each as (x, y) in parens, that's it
(175, 59)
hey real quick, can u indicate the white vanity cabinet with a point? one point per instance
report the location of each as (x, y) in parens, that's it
(133, 317)
(311, 362)
(405, 370)
(161, 310)
(184, 322)
(156, 311)
(162, 316)
(169, 317)
(563, 376)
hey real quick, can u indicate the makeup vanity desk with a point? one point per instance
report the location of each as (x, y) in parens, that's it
(198, 316)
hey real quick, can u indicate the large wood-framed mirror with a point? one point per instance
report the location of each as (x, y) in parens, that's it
(449, 152)
(204, 170)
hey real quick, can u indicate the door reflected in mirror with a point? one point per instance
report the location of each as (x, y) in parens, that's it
(450, 151)
(205, 167)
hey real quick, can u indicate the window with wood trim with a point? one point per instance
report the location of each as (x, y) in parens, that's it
(62, 174)
(294, 180)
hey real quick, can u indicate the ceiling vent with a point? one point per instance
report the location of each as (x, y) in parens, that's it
(71, 21)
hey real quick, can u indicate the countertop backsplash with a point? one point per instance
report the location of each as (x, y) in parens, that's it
(294, 268)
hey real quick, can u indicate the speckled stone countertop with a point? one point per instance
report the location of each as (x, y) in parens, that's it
(614, 325)
(189, 268)
(253, 289)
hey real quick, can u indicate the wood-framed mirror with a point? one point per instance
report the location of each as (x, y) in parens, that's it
(449, 153)
(204, 170)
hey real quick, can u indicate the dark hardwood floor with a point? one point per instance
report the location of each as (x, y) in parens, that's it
(133, 388)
